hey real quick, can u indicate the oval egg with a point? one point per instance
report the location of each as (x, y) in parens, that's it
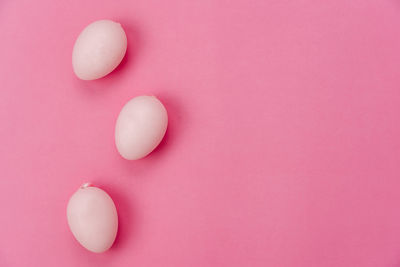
(92, 218)
(99, 49)
(140, 127)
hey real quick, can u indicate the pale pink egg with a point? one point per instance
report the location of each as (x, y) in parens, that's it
(140, 127)
(99, 49)
(92, 218)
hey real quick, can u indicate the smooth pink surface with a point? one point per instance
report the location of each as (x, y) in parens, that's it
(283, 147)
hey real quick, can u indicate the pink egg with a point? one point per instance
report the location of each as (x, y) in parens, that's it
(92, 218)
(140, 127)
(99, 49)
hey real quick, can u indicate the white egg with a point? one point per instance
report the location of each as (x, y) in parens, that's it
(140, 127)
(99, 49)
(92, 218)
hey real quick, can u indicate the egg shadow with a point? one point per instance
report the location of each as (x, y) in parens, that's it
(133, 48)
(114, 78)
(126, 217)
(174, 129)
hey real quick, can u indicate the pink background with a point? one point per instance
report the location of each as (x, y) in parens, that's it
(283, 147)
